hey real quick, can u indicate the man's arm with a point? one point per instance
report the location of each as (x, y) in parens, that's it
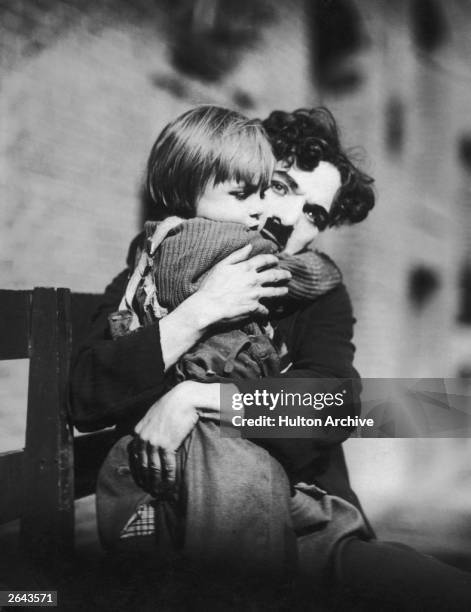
(112, 379)
(118, 380)
(319, 339)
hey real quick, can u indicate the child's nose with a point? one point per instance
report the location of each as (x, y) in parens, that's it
(255, 206)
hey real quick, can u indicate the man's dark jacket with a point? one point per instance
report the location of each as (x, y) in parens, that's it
(114, 382)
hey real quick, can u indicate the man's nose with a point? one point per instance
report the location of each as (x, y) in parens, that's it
(288, 209)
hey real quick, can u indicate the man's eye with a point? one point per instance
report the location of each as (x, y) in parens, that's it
(279, 188)
(317, 216)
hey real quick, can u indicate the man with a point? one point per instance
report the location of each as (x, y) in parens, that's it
(315, 186)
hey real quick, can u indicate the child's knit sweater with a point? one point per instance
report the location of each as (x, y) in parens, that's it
(177, 256)
(193, 247)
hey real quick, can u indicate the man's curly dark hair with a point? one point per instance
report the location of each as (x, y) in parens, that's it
(307, 136)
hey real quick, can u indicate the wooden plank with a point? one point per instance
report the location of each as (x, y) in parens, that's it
(47, 523)
(65, 429)
(11, 479)
(14, 324)
(38, 484)
(90, 451)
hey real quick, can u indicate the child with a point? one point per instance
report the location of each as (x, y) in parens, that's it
(209, 169)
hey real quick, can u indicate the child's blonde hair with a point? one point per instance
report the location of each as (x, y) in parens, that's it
(206, 144)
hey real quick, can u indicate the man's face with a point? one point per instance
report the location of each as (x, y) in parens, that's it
(302, 200)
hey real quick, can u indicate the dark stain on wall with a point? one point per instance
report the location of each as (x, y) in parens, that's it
(429, 24)
(209, 37)
(337, 33)
(423, 283)
(395, 130)
(464, 151)
(28, 27)
(464, 313)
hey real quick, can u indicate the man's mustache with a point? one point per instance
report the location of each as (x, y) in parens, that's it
(274, 230)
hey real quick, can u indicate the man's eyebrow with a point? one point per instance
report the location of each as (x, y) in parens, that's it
(315, 206)
(286, 177)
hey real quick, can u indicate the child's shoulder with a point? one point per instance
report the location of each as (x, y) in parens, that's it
(196, 227)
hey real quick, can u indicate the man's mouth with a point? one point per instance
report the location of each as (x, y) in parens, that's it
(277, 232)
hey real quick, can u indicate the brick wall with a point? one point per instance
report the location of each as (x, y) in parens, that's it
(85, 89)
(86, 86)
(419, 214)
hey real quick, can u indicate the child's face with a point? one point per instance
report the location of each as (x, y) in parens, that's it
(302, 200)
(231, 201)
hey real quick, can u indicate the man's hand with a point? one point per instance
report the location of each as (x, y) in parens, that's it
(233, 288)
(229, 293)
(158, 436)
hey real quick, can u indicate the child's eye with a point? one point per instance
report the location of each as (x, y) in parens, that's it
(239, 195)
(279, 188)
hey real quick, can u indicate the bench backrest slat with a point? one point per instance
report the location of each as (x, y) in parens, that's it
(48, 461)
(15, 309)
(11, 479)
(38, 484)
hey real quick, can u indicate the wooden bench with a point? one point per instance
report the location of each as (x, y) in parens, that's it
(40, 482)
